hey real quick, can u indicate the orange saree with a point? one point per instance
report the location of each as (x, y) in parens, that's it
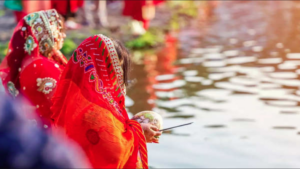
(89, 106)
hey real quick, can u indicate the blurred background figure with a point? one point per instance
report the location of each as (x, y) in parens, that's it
(206, 9)
(25, 146)
(93, 13)
(68, 9)
(101, 13)
(23, 7)
(16, 6)
(140, 11)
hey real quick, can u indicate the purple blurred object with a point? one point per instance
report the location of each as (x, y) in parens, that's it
(22, 145)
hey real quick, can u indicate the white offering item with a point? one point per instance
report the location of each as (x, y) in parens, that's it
(149, 117)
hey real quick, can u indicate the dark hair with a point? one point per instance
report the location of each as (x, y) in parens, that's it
(62, 19)
(124, 58)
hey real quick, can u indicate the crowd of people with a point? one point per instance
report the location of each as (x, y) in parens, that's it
(82, 99)
(141, 11)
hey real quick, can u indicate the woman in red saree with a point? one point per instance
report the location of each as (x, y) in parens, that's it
(33, 64)
(89, 106)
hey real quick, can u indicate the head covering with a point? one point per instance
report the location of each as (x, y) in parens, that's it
(36, 35)
(89, 105)
(25, 146)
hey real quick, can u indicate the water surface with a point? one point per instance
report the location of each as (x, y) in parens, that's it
(238, 81)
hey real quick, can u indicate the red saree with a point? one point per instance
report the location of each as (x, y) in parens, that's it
(26, 70)
(133, 9)
(89, 106)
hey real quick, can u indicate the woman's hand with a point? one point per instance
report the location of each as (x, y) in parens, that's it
(151, 132)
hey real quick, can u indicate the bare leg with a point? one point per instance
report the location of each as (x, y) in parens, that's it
(84, 15)
(101, 9)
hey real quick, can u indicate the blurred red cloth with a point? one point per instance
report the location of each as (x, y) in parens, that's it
(30, 6)
(19, 15)
(62, 6)
(133, 9)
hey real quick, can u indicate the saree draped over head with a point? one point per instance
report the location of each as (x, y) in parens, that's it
(32, 66)
(89, 106)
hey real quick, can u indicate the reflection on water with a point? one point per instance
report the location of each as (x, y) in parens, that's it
(240, 85)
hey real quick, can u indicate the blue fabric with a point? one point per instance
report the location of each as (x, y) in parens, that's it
(22, 145)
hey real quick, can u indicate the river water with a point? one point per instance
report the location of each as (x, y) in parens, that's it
(237, 78)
